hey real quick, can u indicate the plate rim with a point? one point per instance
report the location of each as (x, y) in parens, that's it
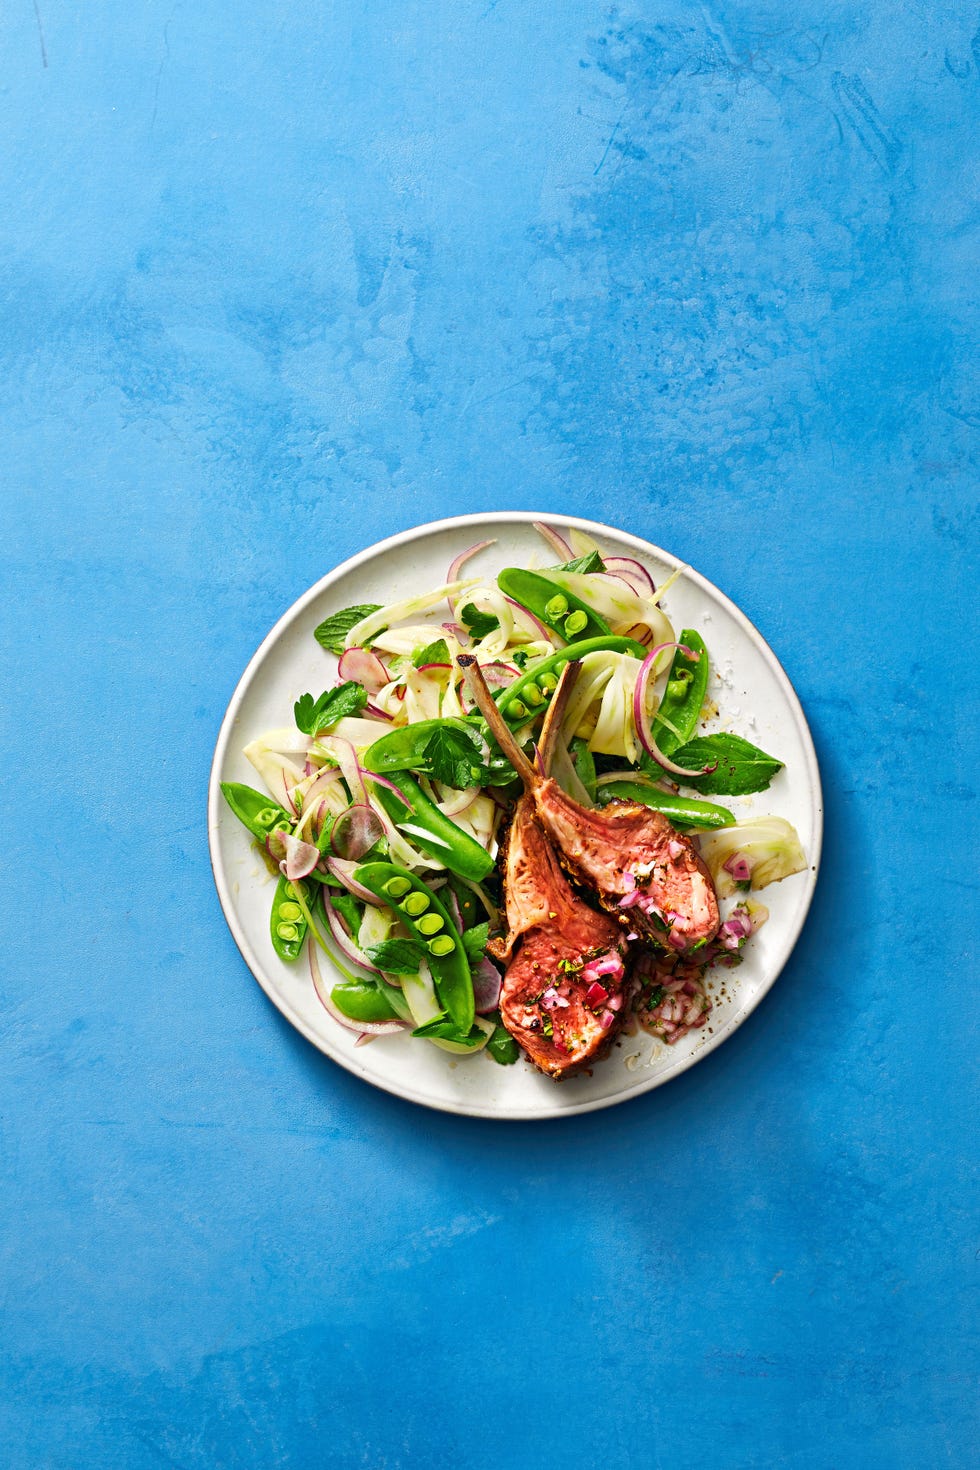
(296, 609)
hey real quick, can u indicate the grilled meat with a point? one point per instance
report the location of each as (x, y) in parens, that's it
(637, 864)
(562, 995)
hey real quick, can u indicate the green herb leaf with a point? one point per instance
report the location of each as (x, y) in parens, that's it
(452, 756)
(741, 769)
(312, 716)
(397, 956)
(475, 941)
(502, 1047)
(432, 653)
(442, 1028)
(593, 562)
(479, 623)
(333, 630)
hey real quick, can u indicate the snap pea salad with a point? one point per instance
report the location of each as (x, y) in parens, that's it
(385, 799)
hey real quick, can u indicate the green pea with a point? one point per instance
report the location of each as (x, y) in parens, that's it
(534, 695)
(415, 904)
(555, 607)
(429, 924)
(395, 887)
(516, 710)
(548, 683)
(575, 622)
(290, 911)
(287, 931)
(443, 944)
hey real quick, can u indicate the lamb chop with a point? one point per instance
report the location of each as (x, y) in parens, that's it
(640, 868)
(562, 996)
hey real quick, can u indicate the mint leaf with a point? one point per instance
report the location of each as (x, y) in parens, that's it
(443, 1028)
(477, 622)
(475, 941)
(591, 563)
(333, 630)
(741, 769)
(313, 715)
(453, 757)
(432, 653)
(397, 956)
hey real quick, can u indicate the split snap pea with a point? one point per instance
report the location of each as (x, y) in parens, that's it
(433, 832)
(683, 811)
(422, 913)
(563, 612)
(519, 701)
(687, 684)
(260, 814)
(287, 922)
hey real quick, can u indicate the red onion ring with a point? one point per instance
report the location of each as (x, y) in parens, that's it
(641, 720)
(546, 633)
(344, 871)
(456, 566)
(365, 1028)
(631, 571)
(344, 941)
(557, 543)
(379, 714)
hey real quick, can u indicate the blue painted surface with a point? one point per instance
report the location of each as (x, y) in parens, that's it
(278, 281)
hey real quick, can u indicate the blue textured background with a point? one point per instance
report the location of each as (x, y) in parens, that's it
(279, 280)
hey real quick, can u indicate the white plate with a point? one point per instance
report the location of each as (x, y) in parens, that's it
(755, 698)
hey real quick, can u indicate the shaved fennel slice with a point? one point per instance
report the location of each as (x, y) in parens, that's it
(769, 847)
(362, 633)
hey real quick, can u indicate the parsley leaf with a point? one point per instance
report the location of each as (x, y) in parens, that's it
(452, 756)
(397, 956)
(313, 715)
(479, 623)
(432, 653)
(333, 630)
(475, 941)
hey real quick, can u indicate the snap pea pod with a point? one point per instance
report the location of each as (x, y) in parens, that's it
(683, 811)
(563, 612)
(433, 832)
(287, 922)
(260, 814)
(363, 1002)
(687, 684)
(404, 749)
(529, 694)
(425, 918)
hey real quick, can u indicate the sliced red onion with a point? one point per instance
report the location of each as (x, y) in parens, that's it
(615, 1002)
(364, 1028)
(606, 1020)
(364, 667)
(379, 714)
(640, 633)
(610, 964)
(383, 781)
(557, 543)
(632, 572)
(675, 849)
(596, 995)
(641, 719)
(629, 899)
(355, 831)
(343, 940)
(287, 789)
(345, 755)
(344, 872)
(550, 998)
(486, 986)
(455, 567)
(461, 802)
(546, 633)
(426, 668)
